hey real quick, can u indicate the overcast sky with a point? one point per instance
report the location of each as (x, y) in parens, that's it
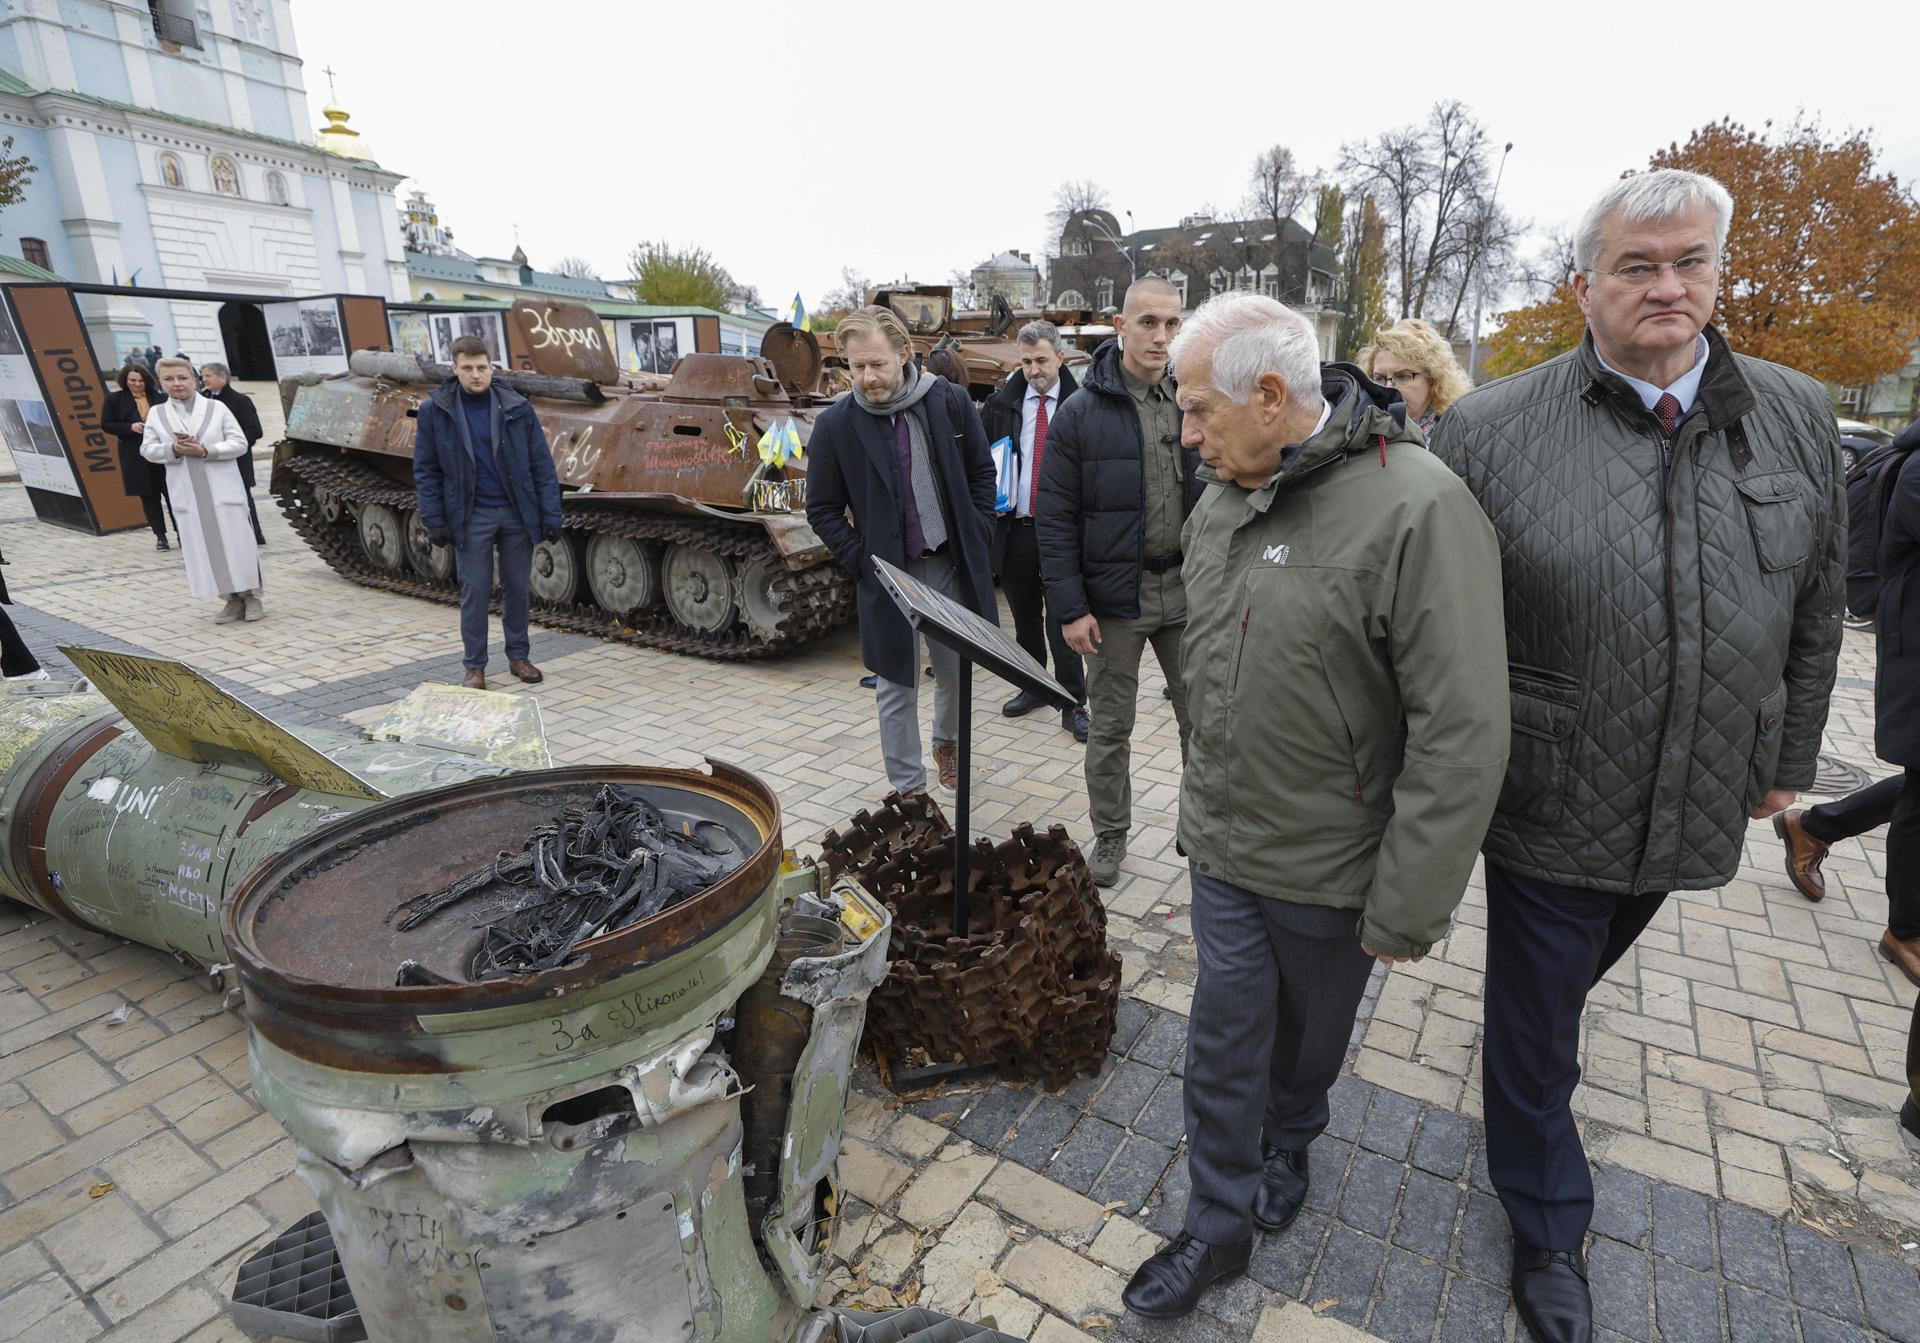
(790, 140)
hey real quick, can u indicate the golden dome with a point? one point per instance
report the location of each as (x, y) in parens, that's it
(336, 137)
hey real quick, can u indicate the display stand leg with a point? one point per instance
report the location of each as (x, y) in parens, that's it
(962, 802)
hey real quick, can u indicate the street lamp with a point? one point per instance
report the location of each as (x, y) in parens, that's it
(1133, 269)
(1480, 277)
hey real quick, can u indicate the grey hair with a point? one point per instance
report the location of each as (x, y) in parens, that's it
(221, 369)
(1246, 335)
(1041, 332)
(1659, 194)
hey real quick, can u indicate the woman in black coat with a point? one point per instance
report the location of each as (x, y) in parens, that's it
(125, 417)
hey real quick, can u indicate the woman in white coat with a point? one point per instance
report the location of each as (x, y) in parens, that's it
(200, 444)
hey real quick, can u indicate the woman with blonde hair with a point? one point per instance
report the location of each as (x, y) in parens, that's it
(1413, 358)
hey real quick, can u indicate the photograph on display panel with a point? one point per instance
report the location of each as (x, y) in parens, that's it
(656, 346)
(448, 327)
(286, 331)
(320, 318)
(40, 428)
(485, 325)
(16, 368)
(27, 429)
(413, 334)
(666, 344)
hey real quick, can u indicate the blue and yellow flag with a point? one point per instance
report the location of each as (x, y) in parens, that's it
(797, 315)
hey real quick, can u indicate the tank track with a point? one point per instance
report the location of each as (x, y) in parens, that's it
(814, 601)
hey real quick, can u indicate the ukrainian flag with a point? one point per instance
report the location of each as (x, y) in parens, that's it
(798, 315)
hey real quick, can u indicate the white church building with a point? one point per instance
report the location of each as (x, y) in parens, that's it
(174, 150)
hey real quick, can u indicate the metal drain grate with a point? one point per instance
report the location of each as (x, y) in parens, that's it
(1836, 778)
(295, 1288)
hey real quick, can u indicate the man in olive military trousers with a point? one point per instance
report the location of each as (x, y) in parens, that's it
(1672, 525)
(1115, 488)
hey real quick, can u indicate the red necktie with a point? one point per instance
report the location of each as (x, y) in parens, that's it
(1667, 411)
(1039, 446)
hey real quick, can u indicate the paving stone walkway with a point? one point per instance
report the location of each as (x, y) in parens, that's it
(1741, 1065)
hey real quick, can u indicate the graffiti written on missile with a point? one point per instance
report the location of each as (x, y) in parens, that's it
(411, 1240)
(186, 897)
(622, 1016)
(182, 713)
(138, 800)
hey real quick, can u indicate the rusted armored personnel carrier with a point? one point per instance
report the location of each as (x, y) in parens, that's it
(677, 534)
(985, 342)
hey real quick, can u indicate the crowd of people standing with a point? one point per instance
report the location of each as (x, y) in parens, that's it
(1583, 622)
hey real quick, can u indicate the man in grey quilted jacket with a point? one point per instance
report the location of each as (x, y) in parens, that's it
(1671, 522)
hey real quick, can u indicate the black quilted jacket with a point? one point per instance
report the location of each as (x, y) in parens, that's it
(1091, 523)
(1672, 605)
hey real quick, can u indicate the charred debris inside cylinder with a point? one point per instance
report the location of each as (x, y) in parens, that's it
(591, 870)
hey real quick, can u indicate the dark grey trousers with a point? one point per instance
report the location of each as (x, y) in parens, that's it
(1281, 982)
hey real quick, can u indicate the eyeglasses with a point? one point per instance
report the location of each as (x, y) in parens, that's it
(1398, 379)
(1646, 274)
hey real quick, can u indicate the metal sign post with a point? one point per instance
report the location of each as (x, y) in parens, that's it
(975, 639)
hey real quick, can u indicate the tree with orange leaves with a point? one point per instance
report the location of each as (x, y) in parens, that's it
(1822, 270)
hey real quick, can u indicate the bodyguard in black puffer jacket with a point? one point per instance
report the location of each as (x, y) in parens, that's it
(1116, 486)
(1093, 498)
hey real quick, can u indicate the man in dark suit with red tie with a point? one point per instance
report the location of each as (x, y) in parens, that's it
(1020, 413)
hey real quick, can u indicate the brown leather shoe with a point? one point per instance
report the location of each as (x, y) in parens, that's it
(1804, 853)
(947, 760)
(1904, 952)
(526, 671)
(476, 679)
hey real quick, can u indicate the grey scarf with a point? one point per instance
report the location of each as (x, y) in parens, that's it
(926, 490)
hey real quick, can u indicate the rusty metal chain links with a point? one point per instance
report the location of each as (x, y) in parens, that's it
(1030, 991)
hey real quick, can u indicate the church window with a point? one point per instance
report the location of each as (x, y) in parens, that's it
(1073, 298)
(35, 250)
(170, 174)
(226, 177)
(276, 189)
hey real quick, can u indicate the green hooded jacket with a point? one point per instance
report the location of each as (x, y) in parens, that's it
(1346, 676)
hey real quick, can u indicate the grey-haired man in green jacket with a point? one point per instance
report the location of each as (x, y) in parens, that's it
(1345, 675)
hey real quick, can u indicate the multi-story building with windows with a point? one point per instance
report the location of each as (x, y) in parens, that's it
(173, 149)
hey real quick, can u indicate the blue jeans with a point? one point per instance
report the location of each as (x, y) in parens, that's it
(486, 529)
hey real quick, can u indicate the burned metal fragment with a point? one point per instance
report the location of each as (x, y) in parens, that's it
(593, 869)
(1030, 991)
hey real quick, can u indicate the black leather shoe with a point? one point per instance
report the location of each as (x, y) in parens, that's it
(1550, 1290)
(1169, 1284)
(1075, 720)
(1910, 1117)
(1022, 704)
(1283, 1189)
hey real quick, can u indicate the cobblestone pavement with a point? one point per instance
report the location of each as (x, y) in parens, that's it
(1742, 1064)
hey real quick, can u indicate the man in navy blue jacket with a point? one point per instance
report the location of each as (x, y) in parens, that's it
(486, 482)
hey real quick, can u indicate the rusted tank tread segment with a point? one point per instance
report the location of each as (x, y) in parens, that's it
(815, 601)
(1032, 990)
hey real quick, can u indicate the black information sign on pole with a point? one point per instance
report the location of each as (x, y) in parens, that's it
(975, 639)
